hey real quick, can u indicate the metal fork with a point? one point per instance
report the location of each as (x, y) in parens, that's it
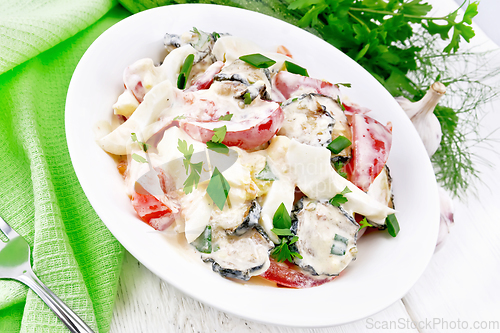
(15, 264)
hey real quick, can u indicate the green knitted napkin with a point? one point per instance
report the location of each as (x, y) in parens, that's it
(72, 250)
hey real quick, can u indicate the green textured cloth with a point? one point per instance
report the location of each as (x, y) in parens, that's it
(73, 252)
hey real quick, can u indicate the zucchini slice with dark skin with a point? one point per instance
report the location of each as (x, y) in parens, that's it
(307, 121)
(327, 237)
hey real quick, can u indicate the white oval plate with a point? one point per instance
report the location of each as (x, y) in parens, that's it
(386, 267)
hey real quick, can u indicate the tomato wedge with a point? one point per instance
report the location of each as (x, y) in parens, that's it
(287, 84)
(284, 274)
(207, 78)
(371, 146)
(152, 211)
(246, 134)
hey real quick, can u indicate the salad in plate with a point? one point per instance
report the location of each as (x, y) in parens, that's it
(264, 170)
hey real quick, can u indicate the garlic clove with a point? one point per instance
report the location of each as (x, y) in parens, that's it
(446, 217)
(422, 116)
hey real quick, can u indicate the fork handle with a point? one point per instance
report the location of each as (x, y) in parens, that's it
(74, 323)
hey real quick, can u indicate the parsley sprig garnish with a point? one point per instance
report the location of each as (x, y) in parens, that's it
(144, 146)
(215, 143)
(364, 224)
(193, 170)
(282, 224)
(339, 198)
(282, 251)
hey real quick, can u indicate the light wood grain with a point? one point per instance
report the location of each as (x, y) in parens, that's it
(145, 303)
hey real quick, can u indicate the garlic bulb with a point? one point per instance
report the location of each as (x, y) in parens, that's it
(422, 115)
(446, 216)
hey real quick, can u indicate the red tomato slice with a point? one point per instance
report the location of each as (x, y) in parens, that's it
(352, 108)
(371, 146)
(285, 274)
(207, 78)
(287, 83)
(152, 211)
(247, 134)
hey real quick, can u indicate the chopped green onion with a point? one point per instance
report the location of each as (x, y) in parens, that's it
(258, 60)
(204, 241)
(266, 174)
(339, 144)
(185, 71)
(340, 239)
(339, 245)
(218, 147)
(247, 98)
(392, 225)
(347, 85)
(218, 189)
(295, 69)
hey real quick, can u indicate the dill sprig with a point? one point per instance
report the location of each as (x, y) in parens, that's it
(469, 78)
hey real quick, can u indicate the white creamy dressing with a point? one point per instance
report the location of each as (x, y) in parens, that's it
(380, 189)
(307, 122)
(315, 177)
(317, 236)
(293, 163)
(126, 104)
(249, 252)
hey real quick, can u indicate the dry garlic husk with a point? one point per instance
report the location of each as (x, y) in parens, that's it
(446, 217)
(422, 116)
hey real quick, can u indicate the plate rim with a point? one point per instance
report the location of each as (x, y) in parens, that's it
(145, 261)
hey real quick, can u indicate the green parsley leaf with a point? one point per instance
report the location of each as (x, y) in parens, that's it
(193, 179)
(139, 158)
(219, 134)
(392, 225)
(295, 69)
(215, 36)
(338, 165)
(282, 251)
(144, 146)
(339, 198)
(218, 147)
(247, 98)
(338, 144)
(218, 189)
(183, 148)
(185, 71)
(266, 174)
(226, 117)
(192, 170)
(204, 241)
(339, 102)
(281, 218)
(179, 117)
(258, 60)
(364, 224)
